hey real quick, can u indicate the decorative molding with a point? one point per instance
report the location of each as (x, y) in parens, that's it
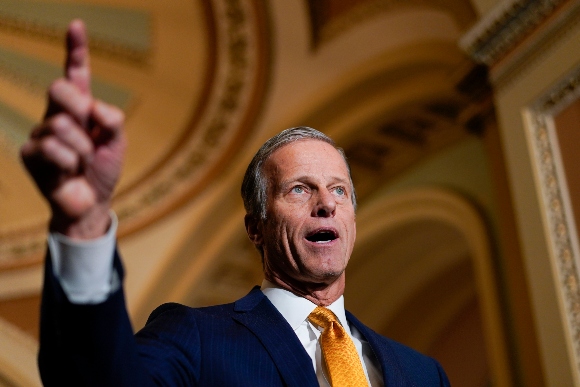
(23, 248)
(548, 40)
(504, 27)
(502, 39)
(562, 232)
(561, 95)
(233, 95)
(221, 128)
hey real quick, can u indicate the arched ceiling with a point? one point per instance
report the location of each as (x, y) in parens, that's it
(190, 76)
(193, 77)
(202, 82)
(330, 18)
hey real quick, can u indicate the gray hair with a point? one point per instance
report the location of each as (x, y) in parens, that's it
(255, 185)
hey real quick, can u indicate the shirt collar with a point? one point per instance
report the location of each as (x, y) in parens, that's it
(295, 309)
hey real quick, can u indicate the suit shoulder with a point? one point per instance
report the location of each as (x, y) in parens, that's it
(174, 309)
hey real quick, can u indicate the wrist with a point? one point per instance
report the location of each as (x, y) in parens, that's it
(91, 225)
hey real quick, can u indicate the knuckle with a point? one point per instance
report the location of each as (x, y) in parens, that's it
(56, 87)
(70, 133)
(84, 146)
(60, 123)
(57, 154)
(84, 104)
(109, 116)
(47, 146)
(67, 96)
(117, 120)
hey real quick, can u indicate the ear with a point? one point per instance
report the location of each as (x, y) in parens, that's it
(254, 229)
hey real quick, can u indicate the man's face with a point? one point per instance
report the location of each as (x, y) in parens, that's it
(310, 229)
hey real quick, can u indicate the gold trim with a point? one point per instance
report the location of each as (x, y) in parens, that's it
(558, 213)
(233, 100)
(560, 96)
(230, 100)
(547, 40)
(504, 27)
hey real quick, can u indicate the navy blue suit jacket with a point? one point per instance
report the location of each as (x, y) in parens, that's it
(245, 343)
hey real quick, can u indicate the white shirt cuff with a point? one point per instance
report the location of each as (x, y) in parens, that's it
(85, 268)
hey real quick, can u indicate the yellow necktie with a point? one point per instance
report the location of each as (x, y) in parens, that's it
(342, 361)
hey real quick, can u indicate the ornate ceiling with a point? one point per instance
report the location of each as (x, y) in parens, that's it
(190, 76)
(203, 83)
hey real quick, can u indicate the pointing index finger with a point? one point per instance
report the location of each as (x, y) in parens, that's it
(77, 67)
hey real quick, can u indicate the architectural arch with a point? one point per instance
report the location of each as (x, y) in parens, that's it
(422, 257)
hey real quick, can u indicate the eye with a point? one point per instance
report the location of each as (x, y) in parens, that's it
(298, 189)
(340, 191)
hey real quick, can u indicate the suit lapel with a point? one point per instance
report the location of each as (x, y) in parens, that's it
(261, 317)
(393, 375)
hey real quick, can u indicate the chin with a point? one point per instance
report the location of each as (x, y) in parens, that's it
(328, 275)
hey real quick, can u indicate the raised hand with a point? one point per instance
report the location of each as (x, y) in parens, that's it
(75, 154)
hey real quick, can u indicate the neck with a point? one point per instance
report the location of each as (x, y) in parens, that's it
(321, 294)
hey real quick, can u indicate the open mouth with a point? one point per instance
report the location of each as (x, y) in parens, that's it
(322, 236)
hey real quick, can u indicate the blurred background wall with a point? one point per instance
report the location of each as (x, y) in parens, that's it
(459, 118)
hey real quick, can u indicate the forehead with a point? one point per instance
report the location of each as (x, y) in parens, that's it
(306, 156)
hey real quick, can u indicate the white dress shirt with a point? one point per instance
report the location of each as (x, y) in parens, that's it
(85, 272)
(85, 268)
(295, 310)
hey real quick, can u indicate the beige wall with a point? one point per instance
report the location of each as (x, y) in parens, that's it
(528, 89)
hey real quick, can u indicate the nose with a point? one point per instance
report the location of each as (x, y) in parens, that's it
(325, 206)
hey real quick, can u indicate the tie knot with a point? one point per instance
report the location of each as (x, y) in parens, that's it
(322, 317)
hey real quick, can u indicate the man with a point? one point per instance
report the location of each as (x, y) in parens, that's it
(292, 331)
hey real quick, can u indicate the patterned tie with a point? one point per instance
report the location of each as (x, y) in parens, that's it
(342, 361)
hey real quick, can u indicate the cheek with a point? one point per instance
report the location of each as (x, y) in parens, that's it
(351, 227)
(278, 231)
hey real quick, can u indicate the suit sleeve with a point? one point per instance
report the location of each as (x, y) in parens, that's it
(86, 345)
